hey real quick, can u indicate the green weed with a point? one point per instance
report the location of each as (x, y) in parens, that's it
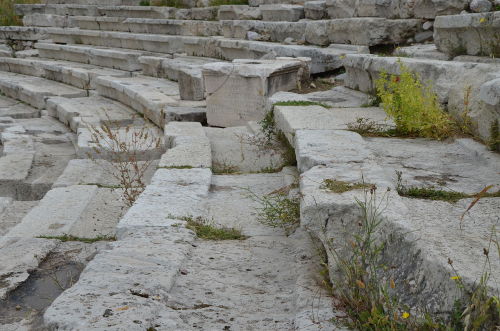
(302, 103)
(206, 229)
(278, 210)
(67, 237)
(215, 3)
(413, 106)
(338, 186)
(494, 141)
(430, 193)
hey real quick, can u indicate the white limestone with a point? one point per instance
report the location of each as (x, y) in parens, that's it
(254, 81)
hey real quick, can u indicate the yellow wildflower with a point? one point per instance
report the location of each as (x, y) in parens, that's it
(455, 277)
(482, 20)
(405, 315)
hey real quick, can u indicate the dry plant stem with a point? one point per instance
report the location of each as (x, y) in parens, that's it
(125, 153)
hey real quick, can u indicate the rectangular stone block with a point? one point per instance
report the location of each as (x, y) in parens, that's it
(237, 92)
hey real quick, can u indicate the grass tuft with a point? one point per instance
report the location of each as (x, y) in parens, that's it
(215, 3)
(430, 193)
(338, 186)
(206, 229)
(302, 103)
(67, 237)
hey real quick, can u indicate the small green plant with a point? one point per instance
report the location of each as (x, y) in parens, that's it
(369, 128)
(302, 103)
(168, 3)
(67, 237)
(494, 141)
(206, 229)
(215, 3)
(278, 210)
(224, 168)
(480, 310)
(430, 193)
(359, 286)
(144, 3)
(413, 106)
(339, 186)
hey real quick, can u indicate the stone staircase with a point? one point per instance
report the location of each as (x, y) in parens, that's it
(80, 64)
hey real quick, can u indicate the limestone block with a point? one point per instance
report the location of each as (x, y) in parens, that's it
(282, 12)
(227, 84)
(191, 84)
(43, 20)
(315, 10)
(238, 12)
(471, 34)
(22, 33)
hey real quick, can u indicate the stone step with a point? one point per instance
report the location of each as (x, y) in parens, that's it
(282, 12)
(428, 231)
(146, 95)
(24, 33)
(12, 212)
(356, 31)
(98, 172)
(323, 59)
(187, 146)
(289, 119)
(81, 210)
(172, 194)
(240, 150)
(450, 81)
(34, 90)
(140, 275)
(469, 34)
(115, 58)
(95, 2)
(322, 32)
(94, 111)
(149, 25)
(394, 9)
(16, 109)
(203, 13)
(75, 74)
(186, 70)
(18, 257)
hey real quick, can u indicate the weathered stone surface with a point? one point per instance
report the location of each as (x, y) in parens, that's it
(394, 9)
(18, 256)
(238, 12)
(450, 81)
(480, 6)
(472, 34)
(22, 33)
(44, 20)
(91, 111)
(425, 51)
(33, 90)
(77, 75)
(410, 223)
(137, 273)
(315, 10)
(123, 59)
(146, 95)
(95, 172)
(240, 149)
(227, 83)
(326, 147)
(324, 59)
(187, 146)
(289, 119)
(357, 31)
(282, 12)
(173, 193)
